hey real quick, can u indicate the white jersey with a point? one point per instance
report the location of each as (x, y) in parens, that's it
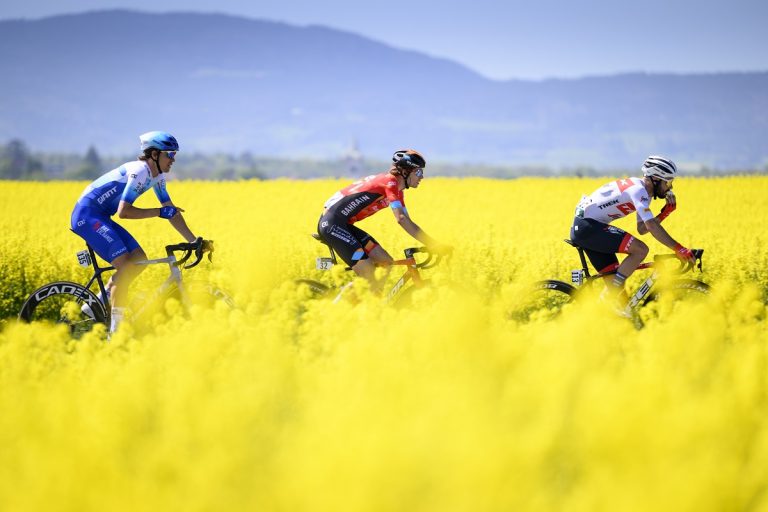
(615, 200)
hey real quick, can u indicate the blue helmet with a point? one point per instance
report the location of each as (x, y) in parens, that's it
(162, 141)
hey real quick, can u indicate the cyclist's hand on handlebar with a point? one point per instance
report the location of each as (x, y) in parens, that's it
(685, 254)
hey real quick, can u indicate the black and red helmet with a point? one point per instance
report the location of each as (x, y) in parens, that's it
(408, 160)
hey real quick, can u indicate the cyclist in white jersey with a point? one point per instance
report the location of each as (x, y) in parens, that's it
(114, 193)
(591, 229)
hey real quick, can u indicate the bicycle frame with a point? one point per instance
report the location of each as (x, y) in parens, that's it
(88, 258)
(173, 279)
(638, 296)
(411, 273)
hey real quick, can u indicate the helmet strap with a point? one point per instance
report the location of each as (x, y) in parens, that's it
(157, 162)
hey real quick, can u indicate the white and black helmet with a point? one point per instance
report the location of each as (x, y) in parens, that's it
(659, 167)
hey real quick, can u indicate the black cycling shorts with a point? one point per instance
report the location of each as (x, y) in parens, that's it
(600, 241)
(351, 243)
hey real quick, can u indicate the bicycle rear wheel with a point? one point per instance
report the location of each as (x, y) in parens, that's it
(545, 301)
(66, 303)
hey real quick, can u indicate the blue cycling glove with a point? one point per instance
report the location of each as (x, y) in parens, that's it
(167, 212)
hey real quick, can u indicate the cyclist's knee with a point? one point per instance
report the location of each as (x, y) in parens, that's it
(380, 256)
(137, 254)
(364, 268)
(122, 262)
(638, 248)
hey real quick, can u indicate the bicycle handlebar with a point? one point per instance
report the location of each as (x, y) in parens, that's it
(432, 258)
(685, 266)
(198, 248)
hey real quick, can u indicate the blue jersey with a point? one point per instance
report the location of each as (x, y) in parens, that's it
(125, 183)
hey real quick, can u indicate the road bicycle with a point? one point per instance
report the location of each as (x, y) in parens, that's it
(402, 290)
(547, 298)
(81, 308)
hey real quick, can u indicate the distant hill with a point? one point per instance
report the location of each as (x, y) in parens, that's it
(223, 83)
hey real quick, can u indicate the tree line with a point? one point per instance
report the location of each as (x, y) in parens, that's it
(18, 162)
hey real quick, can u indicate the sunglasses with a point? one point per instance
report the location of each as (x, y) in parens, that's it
(419, 172)
(170, 154)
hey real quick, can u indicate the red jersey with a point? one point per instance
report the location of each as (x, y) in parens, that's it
(365, 197)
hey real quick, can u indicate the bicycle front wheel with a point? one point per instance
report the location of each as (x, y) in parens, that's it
(545, 301)
(316, 289)
(673, 296)
(198, 293)
(66, 303)
(403, 299)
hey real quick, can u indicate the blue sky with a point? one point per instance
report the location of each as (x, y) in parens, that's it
(512, 39)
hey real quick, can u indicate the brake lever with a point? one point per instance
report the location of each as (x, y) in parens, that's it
(187, 254)
(699, 253)
(197, 245)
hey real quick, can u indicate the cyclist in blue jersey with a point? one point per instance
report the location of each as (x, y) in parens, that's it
(114, 193)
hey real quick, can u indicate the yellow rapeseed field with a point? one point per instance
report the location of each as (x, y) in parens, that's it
(292, 404)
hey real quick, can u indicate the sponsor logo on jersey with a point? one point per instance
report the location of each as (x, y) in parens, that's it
(106, 195)
(354, 204)
(80, 223)
(609, 203)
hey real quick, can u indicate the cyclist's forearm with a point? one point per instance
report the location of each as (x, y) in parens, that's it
(128, 211)
(660, 234)
(416, 232)
(178, 222)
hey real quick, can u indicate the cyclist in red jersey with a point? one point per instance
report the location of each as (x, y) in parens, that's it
(592, 231)
(364, 198)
